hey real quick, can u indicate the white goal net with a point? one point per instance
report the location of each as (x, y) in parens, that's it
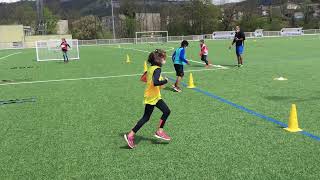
(291, 32)
(151, 37)
(258, 33)
(223, 35)
(51, 50)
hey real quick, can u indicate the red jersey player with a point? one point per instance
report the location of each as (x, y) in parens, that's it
(64, 48)
(204, 52)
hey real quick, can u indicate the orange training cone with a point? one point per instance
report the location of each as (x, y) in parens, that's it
(191, 82)
(293, 125)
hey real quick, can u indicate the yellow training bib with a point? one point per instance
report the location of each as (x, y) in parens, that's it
(152, 93)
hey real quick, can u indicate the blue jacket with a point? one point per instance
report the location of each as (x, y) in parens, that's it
(179, 56)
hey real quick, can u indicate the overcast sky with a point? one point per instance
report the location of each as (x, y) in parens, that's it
(214, 1)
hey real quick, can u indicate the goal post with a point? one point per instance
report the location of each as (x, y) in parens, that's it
(223, 35)
(151, 37)
(50, 50)
(291, 32)
(258, 33)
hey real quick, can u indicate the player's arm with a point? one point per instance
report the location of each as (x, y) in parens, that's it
(156, 77)
(173, 56)
(182, 55)
(68, 45)
(234, 41)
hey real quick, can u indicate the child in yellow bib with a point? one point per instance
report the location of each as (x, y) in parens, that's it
(152, 93)
(152, 98)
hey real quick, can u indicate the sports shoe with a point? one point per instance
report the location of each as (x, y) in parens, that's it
(130, 141)
(162, 135)
(177, 89)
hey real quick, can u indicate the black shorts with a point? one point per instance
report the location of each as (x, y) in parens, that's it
(204, 58)
(179, 70)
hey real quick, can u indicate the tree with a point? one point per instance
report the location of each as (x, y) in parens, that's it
(89, 27)
(228, 16)
(51, 21)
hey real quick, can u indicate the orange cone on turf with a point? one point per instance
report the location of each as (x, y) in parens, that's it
(191, 82)
(293, 125)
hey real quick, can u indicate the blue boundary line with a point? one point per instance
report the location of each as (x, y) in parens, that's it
(242, 108)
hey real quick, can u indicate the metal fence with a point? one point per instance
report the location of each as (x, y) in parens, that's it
(95, 42)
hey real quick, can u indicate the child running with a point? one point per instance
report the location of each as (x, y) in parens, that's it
(179, 60)
(152, 98)
(204, 52)
(64, 48)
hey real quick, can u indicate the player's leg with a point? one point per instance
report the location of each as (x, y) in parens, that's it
(179, 74)
(67, 56)
(145, 118)
(238, 55)
(166, 112)
(241, 48)
(205, 59)
(64, 56)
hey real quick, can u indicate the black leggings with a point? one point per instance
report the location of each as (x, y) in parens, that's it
(205, 59)
(147, 114)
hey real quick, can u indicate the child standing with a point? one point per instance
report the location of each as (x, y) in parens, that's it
(64, 48)
(204, 52)
(152, 98)
(179, 60)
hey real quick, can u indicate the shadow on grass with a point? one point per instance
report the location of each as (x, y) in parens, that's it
(228, 65)
(291, 98)
(138, 139)
(280, 98)
(197, 65)
(168, 88)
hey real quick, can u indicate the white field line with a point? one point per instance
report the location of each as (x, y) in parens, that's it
(10, 55)
(216, 66)
(172, 48)
(92, 78)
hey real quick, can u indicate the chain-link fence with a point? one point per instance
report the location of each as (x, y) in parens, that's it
(95, 42)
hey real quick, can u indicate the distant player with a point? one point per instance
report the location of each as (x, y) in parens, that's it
(64, 48)
(152, 98)
(239, 39)
(204, 52)
(179, 60)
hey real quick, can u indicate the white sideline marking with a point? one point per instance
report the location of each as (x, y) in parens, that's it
(172, 48)
(92, 78)
(10, 55)
(216, 66)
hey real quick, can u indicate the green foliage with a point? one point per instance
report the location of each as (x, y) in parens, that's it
(130, 26)
(22, 13)
(89, 27)
(197, 17)
(50, 20)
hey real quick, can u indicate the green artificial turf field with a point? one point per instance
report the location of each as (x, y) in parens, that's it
(75, 127)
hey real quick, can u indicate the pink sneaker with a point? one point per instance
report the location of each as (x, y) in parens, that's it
(162, 135)
(130, 141)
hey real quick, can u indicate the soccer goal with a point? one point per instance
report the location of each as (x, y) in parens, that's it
(151, 37)
(258, 33)
(291, 32)
(223, 35)
(51, 50)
